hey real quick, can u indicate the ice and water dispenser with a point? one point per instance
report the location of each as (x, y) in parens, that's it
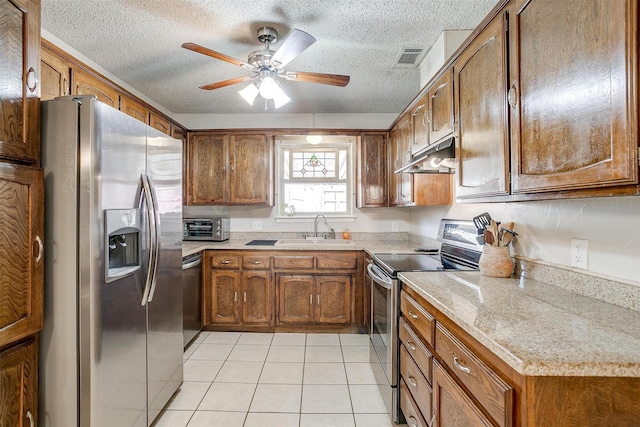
(123, 231)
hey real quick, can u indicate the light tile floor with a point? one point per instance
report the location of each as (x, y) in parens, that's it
(235, 379)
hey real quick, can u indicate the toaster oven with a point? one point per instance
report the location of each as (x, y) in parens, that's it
(208, 229)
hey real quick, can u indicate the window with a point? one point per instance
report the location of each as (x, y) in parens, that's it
(314, 178)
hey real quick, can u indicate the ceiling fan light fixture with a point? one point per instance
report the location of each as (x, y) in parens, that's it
(268, 86)
(249, 93)
(314, 139)
(280, 98)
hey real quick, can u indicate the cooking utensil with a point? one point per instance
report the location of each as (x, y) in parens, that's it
(488, 237)
(482, 221)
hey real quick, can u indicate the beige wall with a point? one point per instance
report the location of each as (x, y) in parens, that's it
(610, 224)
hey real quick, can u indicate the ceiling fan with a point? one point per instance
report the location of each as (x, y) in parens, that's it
(268, 67)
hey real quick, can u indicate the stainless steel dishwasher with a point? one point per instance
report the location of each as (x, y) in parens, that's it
(192, 296)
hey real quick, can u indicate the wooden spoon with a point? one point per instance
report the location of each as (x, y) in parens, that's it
(488, 237)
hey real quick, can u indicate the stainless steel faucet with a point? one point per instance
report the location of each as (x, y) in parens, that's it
(315, 224)
(332, 233)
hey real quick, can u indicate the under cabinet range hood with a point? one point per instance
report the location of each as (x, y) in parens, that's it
(436, 158)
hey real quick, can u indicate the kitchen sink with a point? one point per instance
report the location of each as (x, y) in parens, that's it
(313, 242)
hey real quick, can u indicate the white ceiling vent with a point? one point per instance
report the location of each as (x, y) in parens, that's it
(409, 57)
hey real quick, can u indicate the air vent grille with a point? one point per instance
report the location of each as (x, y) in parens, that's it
(409, 57)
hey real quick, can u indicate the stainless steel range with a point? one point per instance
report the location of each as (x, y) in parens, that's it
(460, 250)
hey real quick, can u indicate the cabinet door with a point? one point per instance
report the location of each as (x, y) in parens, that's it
(55, 75)
(405, 138)
(19, 74)
(480, 74)
(372, 171)
(420, 125)
(395, 162)
(225, 286)
(19, 385)
(181, 134)
(86, 84)
(440, 103)
(21, 257)
(159, 123)
(295, 299)
(573, 94)
(134, 109)
(207, 172)
(251, 175)
(453, 408)
(257, 297)
(333, 299)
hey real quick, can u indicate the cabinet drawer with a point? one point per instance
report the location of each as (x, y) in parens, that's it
(225, 261)
(486, 386)
(416, 383)
(409, 407)
(253, 262)
(416, 350)
(422, 322)
(292, 262)
(337, 263)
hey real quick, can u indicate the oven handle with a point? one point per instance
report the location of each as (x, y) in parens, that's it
(379, 276)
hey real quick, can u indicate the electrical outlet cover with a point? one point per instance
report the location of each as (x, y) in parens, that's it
(580, 253)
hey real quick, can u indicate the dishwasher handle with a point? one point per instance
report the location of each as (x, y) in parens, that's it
(192, 262)
(379, 276)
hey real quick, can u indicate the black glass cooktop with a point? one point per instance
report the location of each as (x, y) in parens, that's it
(395, 263)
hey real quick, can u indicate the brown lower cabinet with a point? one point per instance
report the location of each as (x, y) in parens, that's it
(269, 289)
(19, 384)
(447, 373)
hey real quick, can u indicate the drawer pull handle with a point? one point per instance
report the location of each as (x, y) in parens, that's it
(225, 261)
(461, 367)
(40, 249)
(412, 421)
(432, 423)
(32, 422)
(244, 298)
(235, 296)
(411, 346)
(256, 262)
(413, 315)
(412, 381)
(311, 299)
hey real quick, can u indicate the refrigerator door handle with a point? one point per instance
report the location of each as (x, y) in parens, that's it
(145, 197)
(156, 233)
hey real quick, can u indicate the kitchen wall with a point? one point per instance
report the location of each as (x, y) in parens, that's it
(610, 224)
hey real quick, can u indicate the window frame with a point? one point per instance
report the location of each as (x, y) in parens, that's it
(298, 143)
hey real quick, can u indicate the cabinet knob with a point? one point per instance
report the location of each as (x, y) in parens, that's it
(463, 368)
(40, 249)
(32, 80)
(513, 96)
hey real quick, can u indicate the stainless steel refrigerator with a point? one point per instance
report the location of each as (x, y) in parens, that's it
(111, 348)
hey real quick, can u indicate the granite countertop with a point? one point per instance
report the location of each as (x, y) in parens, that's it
(536, 328)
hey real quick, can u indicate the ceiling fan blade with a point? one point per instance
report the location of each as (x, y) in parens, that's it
(325, 79)
(294, 45)
(212, 53)
(224, 83)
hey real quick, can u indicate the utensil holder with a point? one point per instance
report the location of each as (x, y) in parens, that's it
(496, 261)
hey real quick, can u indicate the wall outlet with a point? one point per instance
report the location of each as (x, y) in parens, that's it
(580, 253)
(257, 225)
(394, 225)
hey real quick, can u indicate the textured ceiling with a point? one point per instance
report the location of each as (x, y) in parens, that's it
(139, 42)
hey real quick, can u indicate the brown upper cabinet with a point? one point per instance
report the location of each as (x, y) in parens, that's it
(573, 95)
(20, 74)
(55, 75)
(133, 108)
(21, 252)
(159, 123)
(482, 149)
(248, 178)
(420, 125)
(440, 105)
(400, 141)
(372, 171)
(85, 83)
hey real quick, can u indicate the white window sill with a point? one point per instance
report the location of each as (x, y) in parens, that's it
(310, 219)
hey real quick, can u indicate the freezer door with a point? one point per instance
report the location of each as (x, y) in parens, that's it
(164, 336)
(112, 319)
